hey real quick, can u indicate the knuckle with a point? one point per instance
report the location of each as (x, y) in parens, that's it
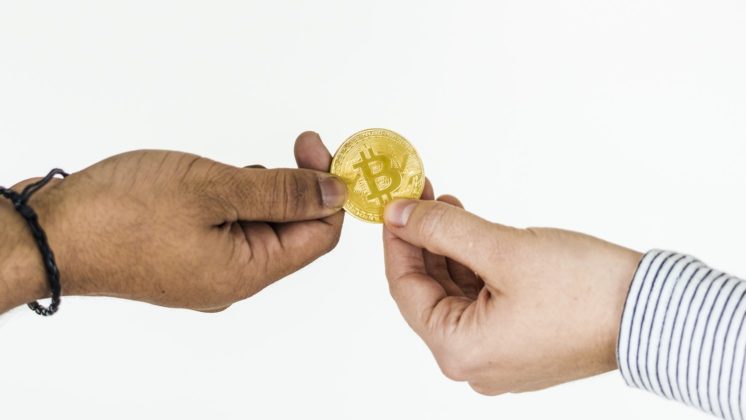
(213, 310)
(463, 359)
(290, 194)
(454, 367)
(216, 175)
(247, 285)
(212, 189)
(488, 390)
(226, 286)
(389, 272)
(223, 288)
(334, 238)
(324, 245)
(453, 370)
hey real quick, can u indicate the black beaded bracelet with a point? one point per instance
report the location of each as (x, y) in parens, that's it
(20, 203)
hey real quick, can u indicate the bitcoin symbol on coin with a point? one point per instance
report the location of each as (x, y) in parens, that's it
(374, 168)
(388, 165)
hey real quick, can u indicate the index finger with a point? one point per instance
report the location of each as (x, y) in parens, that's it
(443, 229)
(413, 290)
(303, 241)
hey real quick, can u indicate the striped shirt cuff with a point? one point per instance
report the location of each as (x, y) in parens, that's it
(682, 334)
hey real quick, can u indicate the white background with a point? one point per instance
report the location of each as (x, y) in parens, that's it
(625, 119)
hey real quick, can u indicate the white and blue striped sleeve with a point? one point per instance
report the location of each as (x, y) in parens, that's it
(682, 334)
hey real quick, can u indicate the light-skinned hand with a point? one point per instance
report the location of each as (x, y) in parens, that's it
(505, 309)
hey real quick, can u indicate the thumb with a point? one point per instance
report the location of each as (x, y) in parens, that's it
(278, 195)
(442, 229)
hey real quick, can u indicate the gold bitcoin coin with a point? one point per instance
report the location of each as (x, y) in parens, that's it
(378, 165)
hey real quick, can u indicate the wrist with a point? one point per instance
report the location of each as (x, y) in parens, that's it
(22, 276)
(627, 262)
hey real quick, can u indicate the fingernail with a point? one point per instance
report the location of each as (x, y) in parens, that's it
(333, 192)
(397, 213)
